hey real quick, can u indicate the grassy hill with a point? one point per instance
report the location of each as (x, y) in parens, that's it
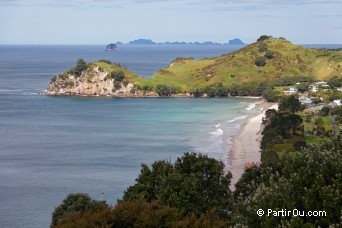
(278, 58)
(239, 67)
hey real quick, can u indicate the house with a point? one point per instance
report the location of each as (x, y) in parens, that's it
(314, 88)
(290, 91)
(339, 89)
(335, 103)
(321, 83)
(306, 101)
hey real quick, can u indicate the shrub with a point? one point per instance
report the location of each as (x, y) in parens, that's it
(270, 54)
(263, 37)
(116, 85)
(260, 61)
(73, 204)
(118, 75)
(299, 145)
(165, 91)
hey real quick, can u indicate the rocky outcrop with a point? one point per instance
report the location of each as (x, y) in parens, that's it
(94, 81)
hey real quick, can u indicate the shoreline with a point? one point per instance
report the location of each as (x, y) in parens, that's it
(246, 143)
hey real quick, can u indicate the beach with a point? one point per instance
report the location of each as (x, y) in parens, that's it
(246, 144)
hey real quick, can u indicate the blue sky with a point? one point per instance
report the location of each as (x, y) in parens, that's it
(105, 21)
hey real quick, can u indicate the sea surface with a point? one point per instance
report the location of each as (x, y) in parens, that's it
(52, 146)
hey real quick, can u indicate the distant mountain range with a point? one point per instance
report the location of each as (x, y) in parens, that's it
(235, 41)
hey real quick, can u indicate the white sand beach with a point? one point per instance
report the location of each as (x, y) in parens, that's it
(246, 144)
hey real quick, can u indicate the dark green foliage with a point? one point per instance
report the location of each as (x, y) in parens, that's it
(270, 95)
(325, 111)
(197, 92)
(260, 61)
(335, 96)
(290, 104)
(194, 184)
(335, 82)
(263, 37)
(116, 85)
(216, 90)
(270, 54)
(250, 89)
(165, 91)
(73, 204)
(299, 145)
(139, 213)
(118, 75)
(337, 111)
(81, 65)
(309, 181)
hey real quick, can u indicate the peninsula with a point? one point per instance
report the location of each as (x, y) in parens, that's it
(250, 71)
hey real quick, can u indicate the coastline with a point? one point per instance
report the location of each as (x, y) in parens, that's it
(246, 144)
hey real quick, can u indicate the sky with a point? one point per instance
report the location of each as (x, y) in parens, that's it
(106, 21)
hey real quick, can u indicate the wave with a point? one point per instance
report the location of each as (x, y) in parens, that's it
(23, 91)
(237, 118)
(251, 106)
(218, 131)
(217, 125)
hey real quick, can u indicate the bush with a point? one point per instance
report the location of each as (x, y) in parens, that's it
(260, 61)
(263, 37)
(165, 91)
(299, 145)
(75, 203)
(270, 54)
(118, 75)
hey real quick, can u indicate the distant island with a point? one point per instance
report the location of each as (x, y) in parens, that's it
(235, 41)
(111, 47)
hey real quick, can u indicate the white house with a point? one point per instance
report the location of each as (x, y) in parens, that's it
(290, 91)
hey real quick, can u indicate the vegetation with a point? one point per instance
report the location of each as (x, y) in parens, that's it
(294, 176)
(74, 204)
(260, 61)
(280, 63)
(81, 65)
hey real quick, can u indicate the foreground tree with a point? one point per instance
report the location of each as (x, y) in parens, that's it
(194, 184)
(74, 204)
(309, 181)
(290, 104)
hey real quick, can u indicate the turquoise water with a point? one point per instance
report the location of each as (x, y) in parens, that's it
(52, 146)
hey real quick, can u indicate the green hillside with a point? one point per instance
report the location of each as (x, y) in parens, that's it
(239, 66)
(264, 62)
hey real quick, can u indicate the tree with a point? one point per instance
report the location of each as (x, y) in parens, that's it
(81, 65)
(289, 104)
(295, 121)
(194, 184)
(75, 203)
(165, 91)
(260, 61)
(325, 111)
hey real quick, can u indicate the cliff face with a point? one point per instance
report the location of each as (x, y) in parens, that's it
(94, 81)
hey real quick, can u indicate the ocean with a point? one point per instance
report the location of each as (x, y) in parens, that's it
(53, 146)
